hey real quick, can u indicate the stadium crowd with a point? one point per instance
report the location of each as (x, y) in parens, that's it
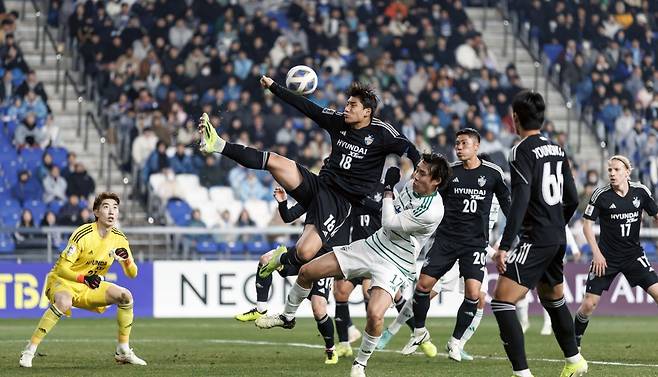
(158, 64)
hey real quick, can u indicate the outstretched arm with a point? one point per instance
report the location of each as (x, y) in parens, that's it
(326, 118)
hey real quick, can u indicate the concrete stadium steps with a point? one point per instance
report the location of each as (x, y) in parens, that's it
(67, 119)
(494, 37)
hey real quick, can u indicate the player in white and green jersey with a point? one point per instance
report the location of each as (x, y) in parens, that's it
(388, 257)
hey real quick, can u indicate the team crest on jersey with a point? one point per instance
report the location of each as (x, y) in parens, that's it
(369, 139)
(71, 250)
(636, 202)
(482, 181)
(377, 197)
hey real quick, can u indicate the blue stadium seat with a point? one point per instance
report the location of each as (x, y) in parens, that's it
(257, 248)
(179, 211)
(31, 158)
(207, 246)
(17, 77)
(38, 209)
(235, 249)
(552, 52)
(55, 206)
(59, 155)
(7, 244)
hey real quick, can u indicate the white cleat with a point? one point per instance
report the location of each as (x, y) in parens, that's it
(123, 357)
(415, 341)
(26, 358)
(353, 334)
(274, 320)
(454, 352)
(358, 370)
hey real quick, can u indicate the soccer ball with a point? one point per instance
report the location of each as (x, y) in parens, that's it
(302, 79)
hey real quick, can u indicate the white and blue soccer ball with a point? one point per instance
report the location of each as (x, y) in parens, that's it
(302, 79)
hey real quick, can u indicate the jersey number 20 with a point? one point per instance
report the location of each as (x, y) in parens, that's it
(552, 184)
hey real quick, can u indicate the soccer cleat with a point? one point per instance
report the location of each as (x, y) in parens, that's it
(210, 141)
(454, 352)
(26, 358)
(250, 315)
(275, 320)
(128, 358)
(576, 369)
(428, 348)
(358, 370)
(466, 356)
(330, 357)
(344, 350)
(383, 341)
(415, 341)
(273, 264)
(353, 334)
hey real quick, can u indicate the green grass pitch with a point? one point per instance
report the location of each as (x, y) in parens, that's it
(622, 346)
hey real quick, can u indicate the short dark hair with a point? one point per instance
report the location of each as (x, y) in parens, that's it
(470, 132)
(439, 167)
(105, 195)
(529, 107)
(365, 93)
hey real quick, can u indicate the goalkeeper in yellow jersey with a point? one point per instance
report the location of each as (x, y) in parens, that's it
(76, 280)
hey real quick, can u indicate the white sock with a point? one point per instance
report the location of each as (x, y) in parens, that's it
(219, 145)
(420, 331)
(123, 347)
(472, 328)
(261, 306)
(454, 342)
(295, 297)
(522, 373)
(346, 344)
(402, 318)
(368, 344)
(574, 359)
(32, 347)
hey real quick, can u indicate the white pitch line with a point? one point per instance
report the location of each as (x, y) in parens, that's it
(313, 346)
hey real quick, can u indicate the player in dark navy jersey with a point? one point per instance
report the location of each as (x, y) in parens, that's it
(360, 143)
(618, 206)
(544, 198)
(462, 236)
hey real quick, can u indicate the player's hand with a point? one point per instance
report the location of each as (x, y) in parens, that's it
(391, 178)
(121, 254)
(599, 264)
(266, 82)
(499, 259)
(280, 194)
(92, 281)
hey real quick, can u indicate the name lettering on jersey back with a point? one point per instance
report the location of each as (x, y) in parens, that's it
(355, 150)
(548, 150)
(630, 217)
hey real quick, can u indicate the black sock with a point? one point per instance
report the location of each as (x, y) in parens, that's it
(421, 306)
(288, 270)
(510, 333)
(563, 326)
(248, 157)
(399, 305)
(326, 328)
(290, 257)
(262, 286)
(580, 325)
(465, 316)
(342, 317)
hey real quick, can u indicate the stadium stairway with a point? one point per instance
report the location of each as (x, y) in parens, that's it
(66, 117)
(494, 37)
